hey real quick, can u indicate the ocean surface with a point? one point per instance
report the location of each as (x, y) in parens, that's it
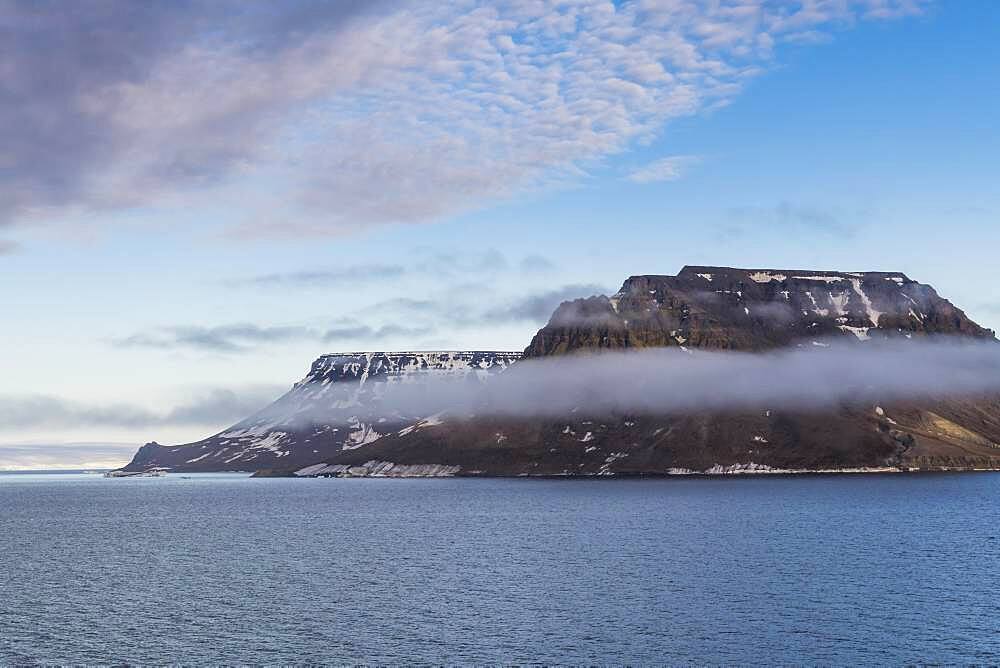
(210, 569)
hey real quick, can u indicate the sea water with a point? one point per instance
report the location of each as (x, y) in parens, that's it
(210, 569)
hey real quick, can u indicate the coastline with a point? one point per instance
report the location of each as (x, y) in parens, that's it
(377, 469)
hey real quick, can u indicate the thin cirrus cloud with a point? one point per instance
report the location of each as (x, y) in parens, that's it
(463, 308)
(237, 337)
(789, 218)
(538, 308)
(324, 277)
(432, 315)
(665, 169)
(212, 406)
(434, 265)
(246, 337)
(366, 112)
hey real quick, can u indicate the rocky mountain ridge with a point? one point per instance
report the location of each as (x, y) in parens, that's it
(338, 406)
(719, 308)
(707, 308)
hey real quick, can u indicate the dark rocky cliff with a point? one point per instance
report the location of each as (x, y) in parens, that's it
(716, 308)
(335, 421)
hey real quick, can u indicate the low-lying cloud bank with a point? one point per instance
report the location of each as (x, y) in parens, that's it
(671, 380)
(822, 376)
(64, 456)
(211, 407)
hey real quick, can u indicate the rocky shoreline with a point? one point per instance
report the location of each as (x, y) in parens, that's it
(382, 469)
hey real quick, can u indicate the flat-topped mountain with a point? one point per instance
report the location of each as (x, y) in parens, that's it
(338, 406)
(338, 422)
(719, 308)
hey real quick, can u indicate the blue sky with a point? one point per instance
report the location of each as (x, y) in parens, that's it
(196, 213)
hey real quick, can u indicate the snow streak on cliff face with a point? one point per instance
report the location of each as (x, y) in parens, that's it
(721, 308)
(337, 406)
(372, 413)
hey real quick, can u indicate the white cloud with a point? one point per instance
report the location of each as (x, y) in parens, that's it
(55, 456)
(413, 112)
(665, 169)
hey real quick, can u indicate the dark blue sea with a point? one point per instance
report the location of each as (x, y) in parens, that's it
(213, 569)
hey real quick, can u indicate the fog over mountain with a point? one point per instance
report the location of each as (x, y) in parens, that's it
(820, 376)
(714, 366)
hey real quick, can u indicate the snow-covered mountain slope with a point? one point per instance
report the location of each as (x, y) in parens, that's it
(339, 405)
(752, 309)
(338, 420)
(719, 308)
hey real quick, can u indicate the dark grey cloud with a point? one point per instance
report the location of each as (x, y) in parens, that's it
(539, 307)
(245, 337)
(348, 332)
(53, 55)
(374, 112)
(788, 218)
(428, 264)
(214, 406)
(222, 405)
(466, 306)
(588, 312)
(222, 338)
(326, 277)
(474, 304)
(67, 69)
